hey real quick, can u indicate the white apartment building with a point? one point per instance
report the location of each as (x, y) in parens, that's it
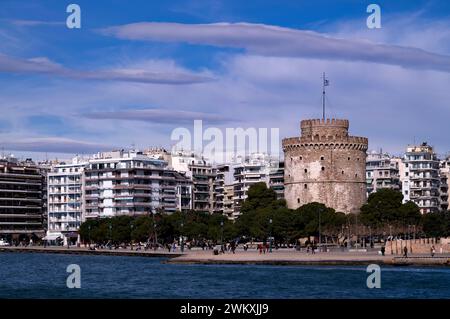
(127, 183)
(444, 172)
(65, 200)
(256, 168)
(224, 178)
(382, 171)
(419, 175)
(202, 176)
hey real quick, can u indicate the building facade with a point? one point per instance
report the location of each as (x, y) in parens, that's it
(382, 171)
(65, 200)
(325, 165)
(21, 200)
(420, 177)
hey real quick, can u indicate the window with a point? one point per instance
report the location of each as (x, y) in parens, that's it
(305, 186)
(298, 200)
(342, 172)
(348, 158)
(301, 157)
(306, 171)
(323, 168)
(322, 158)
(356, 175)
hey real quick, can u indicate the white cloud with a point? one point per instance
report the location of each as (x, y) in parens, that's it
(283, 42)
(42, 65)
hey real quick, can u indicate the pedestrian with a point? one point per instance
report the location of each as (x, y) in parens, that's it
(383, 250)
(405, 252)
(433, 250)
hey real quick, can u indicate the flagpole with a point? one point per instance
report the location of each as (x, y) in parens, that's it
(323, 96)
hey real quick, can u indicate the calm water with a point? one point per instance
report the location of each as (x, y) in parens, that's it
(44, 276)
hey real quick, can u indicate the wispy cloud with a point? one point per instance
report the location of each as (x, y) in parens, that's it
(53, 145)
(283, 42)
(162, 116)
(34, 23)
(42, 65)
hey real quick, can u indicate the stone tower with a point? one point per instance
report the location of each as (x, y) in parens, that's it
(325, 165)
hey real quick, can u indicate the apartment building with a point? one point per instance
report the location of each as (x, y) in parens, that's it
(420, 177)
(202, 176)
(444, 173)
(127, 183)
(256, 168)
(382, 171)
(276, 180)
(65, 200)
(21, 196)
(224, 178)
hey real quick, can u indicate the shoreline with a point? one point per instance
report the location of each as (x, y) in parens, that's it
(86, 251)
(276, 258)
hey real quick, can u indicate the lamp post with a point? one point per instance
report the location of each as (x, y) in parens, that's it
(320, 234)
(182, 239)
(67, 236)
(89, 235)
(390, 236)
(110, 235)
(131, 236)
(270, 236)
(221, 236)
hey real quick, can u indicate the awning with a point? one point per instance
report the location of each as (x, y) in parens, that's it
(52, 237)
(71, 235)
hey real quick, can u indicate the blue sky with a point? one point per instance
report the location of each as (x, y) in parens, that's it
(138, 69)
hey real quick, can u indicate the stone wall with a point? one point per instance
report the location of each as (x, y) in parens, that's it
(326, 165)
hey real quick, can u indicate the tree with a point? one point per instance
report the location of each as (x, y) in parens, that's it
(382, 207)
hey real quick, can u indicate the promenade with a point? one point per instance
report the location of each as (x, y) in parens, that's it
(277, 257)
(86, 251)
(292, 257)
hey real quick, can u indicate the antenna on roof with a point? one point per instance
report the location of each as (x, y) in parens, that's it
(324, 84)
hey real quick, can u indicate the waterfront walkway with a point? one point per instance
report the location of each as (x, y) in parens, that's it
(292, 257)
(277, 257)
(86, 251)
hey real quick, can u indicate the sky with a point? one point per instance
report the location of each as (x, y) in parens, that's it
(137, 70)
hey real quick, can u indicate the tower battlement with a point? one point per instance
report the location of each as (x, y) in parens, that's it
(324, 127)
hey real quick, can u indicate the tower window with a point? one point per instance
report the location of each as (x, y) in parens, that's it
(322, 158)
(306, 186)
(356, 175)
(348, 158)
(357, 159)
(306, 171)
(301, 157)
(298, 200)
(323, 168)
(342, 172)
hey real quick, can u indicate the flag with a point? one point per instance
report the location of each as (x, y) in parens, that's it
(326, 82)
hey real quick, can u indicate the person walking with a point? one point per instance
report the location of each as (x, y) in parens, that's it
(383, 250)
(433, 250)
(405, 252)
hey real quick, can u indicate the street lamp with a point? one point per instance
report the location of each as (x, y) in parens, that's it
(110, 235)
(131, 236)
(390, 236)
(320, 234)
(270, 234)
(67, 235)
(182, 239)
(89, 235)
(221, 236)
